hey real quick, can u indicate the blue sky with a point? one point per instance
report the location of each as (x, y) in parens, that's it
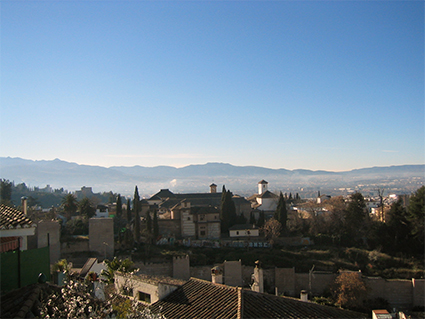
(332, 85)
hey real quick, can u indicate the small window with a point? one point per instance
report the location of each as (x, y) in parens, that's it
(202, 232)
(188, 218)
(248, 232)
(144, 297)
(237, 233)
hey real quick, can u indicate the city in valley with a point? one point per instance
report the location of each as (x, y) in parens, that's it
(284, 253)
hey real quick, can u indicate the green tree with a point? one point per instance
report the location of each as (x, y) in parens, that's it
(228, 211)
(5, 192)
(69, 205)
(119, 206)
(398, 227)
(128, 210)
(416, 213)
(252, 218)
(261, 220)
(281, 213)
(155, 225)
(136, 205)
(149, 227)
(356, 218)
(122, 265)
(86, 208)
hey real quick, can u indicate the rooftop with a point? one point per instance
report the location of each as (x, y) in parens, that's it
(12, 218)
(202, 299)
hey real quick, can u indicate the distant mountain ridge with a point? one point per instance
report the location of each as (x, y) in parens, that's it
(72, 176)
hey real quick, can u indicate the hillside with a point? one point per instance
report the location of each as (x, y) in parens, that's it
(196, 178)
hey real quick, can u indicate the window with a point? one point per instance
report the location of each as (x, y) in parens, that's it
(237, 233)
(144, 297)
(188, 218)
(201, 217)
(248, 232)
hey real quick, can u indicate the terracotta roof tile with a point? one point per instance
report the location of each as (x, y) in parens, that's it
(11, 218)
(203, 299)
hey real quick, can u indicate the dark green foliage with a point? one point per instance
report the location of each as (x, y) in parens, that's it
(136, 205)
(86, 208)
(149, 227)
(252, 218)
(69, 205)
(119, 207)
(241, 219)
(416, 213)
(397, 227)
(128, 210)
(5, 192)
(155, 225)
(228, 212)
(261, 220)
(281, 213)
(356, 218)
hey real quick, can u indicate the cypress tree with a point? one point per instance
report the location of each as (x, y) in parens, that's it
(119, 206)
(228, 211)
(281, 214)
(136, 203)
(155, 225)
(261, 220)
(149, 222)
(128, 210)
(251, 218)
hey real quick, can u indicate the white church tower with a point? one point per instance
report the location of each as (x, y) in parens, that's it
(262, 187)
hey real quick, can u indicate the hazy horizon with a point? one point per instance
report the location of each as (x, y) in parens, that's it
(332, 85)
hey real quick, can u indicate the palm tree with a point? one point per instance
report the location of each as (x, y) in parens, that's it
(70, 205)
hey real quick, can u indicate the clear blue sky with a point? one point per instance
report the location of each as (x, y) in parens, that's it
(332, 85)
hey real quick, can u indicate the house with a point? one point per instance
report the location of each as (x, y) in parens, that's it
(203, 299)
(244, 230)
(15, 227)
(143, 288)
(265, 200)
(193, 215)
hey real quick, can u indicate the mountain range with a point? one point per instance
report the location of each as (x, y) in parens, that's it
(196, 178)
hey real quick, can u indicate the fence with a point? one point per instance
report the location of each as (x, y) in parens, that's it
(21, 268)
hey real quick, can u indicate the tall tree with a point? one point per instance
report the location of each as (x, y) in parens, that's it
(86, 208)
(398, 226)
(69, 205)
(155, 225)
(281, 213)
(5, 192)
(356, 218)
(228, 212)
(416, 213)
(119, 206)
(252, 218)
(261, 220)
(136, 205)
(128, 210)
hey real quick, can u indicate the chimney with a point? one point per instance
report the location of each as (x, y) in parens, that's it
(24, 205)
(258, 278)
(217, 275)
(304, 295)
(213, 188)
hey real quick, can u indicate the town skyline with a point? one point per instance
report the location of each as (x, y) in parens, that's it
(334, 85)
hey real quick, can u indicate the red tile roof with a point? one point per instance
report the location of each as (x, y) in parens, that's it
(203, 299)
(11, 218)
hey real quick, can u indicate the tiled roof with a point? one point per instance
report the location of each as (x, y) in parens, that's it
(203, 299)
(87, 266)
(12, 218)
(263, 182)
(268, 194)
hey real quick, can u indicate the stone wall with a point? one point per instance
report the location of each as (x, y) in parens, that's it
(101, 237)
(181, 267)
(169, 227)
(48, 233)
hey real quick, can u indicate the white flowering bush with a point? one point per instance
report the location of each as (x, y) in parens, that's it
(75, 300)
